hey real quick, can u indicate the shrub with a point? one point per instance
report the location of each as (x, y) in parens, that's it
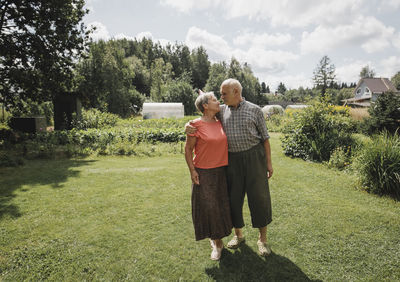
(93, 118)
(340, 158)
(314, 132)
(276, 123)
(378, 165)
(384, 114)
(8, 160)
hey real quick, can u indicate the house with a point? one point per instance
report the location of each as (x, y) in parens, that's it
(368, 90)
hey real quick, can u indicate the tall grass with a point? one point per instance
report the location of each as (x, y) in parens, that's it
(378, 165)
(359, 113)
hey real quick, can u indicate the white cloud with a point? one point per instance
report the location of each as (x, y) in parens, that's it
(396, 40)
(144, 34)
(368, 32)
(262, 40)
(123, 36)
(273, 61)
(141, 35)
(298, 13)
(219, 49)
(290, 81)
(390, 66)
(351, 72)
(197, 37)
(101, 31)
(89, 5)
(389, 5)
(187, 6)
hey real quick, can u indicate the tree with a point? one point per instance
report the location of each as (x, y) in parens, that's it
(396, 80)
(180, 90)
(263, 87)
(161, 74)
(218, 73)
(40, 42)
(105, 80)
(324, 74)
(267, 90)
(367, 72)
(200, 67)
(384, 114)
(281, 88)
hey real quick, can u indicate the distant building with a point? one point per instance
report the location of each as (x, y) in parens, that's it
(368, 90)
(162, 110)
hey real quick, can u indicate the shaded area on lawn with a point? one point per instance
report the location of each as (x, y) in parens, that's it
(40, 172)
(246, 265)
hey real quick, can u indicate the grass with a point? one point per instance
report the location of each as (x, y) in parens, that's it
(129, 218)
(359, 113)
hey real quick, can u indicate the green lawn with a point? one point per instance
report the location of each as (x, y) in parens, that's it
(129, 218)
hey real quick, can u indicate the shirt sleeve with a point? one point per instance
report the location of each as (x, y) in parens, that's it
(261, 125)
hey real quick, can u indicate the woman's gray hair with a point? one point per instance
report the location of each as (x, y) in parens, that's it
(203, 99)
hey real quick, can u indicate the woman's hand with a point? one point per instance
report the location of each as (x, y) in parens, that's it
(195, 177)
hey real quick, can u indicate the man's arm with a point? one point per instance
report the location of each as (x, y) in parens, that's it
(267, 149)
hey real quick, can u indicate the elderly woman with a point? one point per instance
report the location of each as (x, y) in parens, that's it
(210, 202)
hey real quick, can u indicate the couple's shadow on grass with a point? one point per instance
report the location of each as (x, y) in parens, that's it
(244, 264)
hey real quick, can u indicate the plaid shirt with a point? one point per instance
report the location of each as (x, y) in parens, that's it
(244, 126)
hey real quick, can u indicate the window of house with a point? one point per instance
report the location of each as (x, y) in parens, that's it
(358, 90)
(366, 90)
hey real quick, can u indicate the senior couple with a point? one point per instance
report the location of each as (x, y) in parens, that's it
(232, 157)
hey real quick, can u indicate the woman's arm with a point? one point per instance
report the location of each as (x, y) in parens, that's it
(189, 147)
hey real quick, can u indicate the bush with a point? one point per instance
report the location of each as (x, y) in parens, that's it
(8, 160)
(314, 132)
(93, 118)
(340, 158)
(132, 136)
(378, 165)
(276, 123)
(384, 114)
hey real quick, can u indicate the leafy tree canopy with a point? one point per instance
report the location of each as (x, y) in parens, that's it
(367, 72)
(40, 42)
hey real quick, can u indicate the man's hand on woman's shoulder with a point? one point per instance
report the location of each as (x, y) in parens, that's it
(189, 128)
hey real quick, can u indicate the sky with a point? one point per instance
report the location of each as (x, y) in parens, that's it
(282, 41)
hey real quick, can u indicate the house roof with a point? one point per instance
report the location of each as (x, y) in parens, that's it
(377, 85)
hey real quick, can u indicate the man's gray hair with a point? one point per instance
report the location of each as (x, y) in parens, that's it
(203, 99)
(234, 83)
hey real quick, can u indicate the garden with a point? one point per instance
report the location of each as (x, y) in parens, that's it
(110, 200)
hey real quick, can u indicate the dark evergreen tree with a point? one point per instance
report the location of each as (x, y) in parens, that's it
(324, 74)
(200, 67)
(384, 114)
(281, 88)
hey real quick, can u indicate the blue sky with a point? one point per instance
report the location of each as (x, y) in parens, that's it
(281, 40)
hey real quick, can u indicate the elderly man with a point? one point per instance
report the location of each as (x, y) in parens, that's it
(249, 165)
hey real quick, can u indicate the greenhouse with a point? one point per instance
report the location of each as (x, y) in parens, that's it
(162, 110)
